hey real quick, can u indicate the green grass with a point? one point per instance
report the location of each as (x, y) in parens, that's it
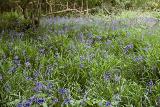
(118, 66)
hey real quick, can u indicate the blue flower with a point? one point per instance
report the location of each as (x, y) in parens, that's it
(81, 37)
(108, 42)
(42, 51)
(32, 99)
(81, 66)
(117, 78)
(36, 74)
(28, 78)
(128, 47)
(16, 60)
(55, 100)
(63, 91)
(40, 100)
(138, 59)
(108, 104)
(56, 55)
(39, 86)
(90, 35)
(20, 104)
(150, 83)
(107, 76)
(48, 71)
(82, 58)
(28, 103)
(12, 69)
(27, 64)
(67, 101)
(99, 37)
(114, 27)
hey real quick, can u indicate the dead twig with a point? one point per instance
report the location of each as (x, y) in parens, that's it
(69, 10)
(63, 11)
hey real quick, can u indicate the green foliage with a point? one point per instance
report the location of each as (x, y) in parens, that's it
(91, 61)
(14, 21)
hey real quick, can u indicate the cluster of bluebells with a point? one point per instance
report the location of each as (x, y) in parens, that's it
(87, 39)
(63, 91)
(30, 101)
(128, 47)
(138, 59)
(39, 87)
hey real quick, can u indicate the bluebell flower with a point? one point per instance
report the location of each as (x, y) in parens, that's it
(90, 35)
(138, 59)
(100, 104)
(128, 47)
(128, 34)
(59, 32)
(56, 55)
(116, 97)
(117, 78)
(48, 71)
(36, 74)
(114, 27)
(67, 101)
(28, 78)
(20, 104)
(16, 57)
(82, 58)
(63, 91)
(55, 100)
(40, 100)
(89, 41)
(39, 86)
(99, 37)
(148, 91)
(81, 66)
(42, 51)
(28, 103)
(108, 104)
(27, 64)
(32, 99)
(107, 76)
(16, 60)
(12, 69)
(108, 42)
(81, 37)
(150, 83)
(65, 28)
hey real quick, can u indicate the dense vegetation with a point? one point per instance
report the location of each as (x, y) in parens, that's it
(96, 53)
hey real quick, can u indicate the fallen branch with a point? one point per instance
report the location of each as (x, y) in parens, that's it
(62, 11)
(69, 10)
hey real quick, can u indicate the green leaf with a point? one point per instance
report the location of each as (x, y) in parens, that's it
(15, 102)
(45, 105)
